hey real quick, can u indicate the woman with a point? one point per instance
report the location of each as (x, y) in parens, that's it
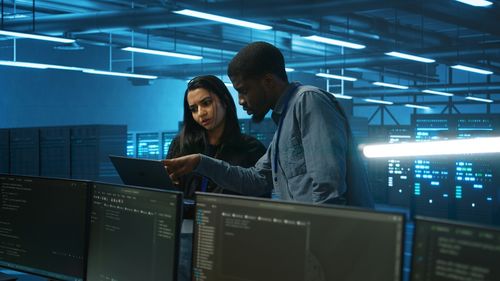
(211, 127)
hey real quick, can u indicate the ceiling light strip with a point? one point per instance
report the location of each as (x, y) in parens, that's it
(36, 36)
(333, 76)
(417, 106)
(476, 3)
(379, 101)
(472, 69)
(212, 17)
(334, 42)
(389, 85)
(478, 99)
(410, 57)
(23, 64)
(432, 92)
(340, 96)
(162, 53)
(85, 70)
(122, 74)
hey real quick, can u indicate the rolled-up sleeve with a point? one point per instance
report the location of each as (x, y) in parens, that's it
(253, 181)
(324, 139)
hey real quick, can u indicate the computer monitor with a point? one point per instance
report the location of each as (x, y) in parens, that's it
(43, 226)
(446, 250)
(134, 233)
(237, 238)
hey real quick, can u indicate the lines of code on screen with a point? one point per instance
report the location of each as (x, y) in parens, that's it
(447, 251)
(42, 226)
(133, 234)
(247, 239)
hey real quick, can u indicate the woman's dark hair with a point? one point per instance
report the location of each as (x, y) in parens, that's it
(257, 59)
(193, 136)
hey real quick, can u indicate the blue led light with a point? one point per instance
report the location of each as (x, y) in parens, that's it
(417, 188)
(458, 192)
(478, 186)
(475, 129)
(432, 129)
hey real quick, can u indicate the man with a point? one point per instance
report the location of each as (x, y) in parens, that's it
(312, 157)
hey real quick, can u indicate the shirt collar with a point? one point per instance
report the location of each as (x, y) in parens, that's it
(285, 96)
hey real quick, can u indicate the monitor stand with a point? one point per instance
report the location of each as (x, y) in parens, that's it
(6, 277)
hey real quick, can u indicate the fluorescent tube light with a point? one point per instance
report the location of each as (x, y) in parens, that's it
(379, 101)
(289, 69)
(23, 64)
(417, 106)
(36, 36)
(39, 65)
(472, 69)
(338, 77)
(432, 92)
(410, 57)
(345, 97)
(430, 148)
(62, 67)
(335, 42)
(478, 99)
(476, 3)
(162, 53)
(227, 20)
(391, 85)
(14, 16)
(122, 74)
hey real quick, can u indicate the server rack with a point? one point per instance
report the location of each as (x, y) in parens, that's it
(24, 151)
(55, 152)
(91, 146)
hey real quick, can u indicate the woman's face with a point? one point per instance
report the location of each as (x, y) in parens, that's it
(206, 109)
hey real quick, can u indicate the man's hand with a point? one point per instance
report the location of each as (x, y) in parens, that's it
(178, 167)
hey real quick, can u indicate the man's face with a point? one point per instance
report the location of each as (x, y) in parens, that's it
(253, 96)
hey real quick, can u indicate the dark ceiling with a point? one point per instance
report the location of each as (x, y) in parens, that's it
(447, 31)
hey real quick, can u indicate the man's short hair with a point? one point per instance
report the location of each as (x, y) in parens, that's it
(257, 59)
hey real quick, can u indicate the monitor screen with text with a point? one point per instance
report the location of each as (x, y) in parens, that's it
(444, 250)
(237, 238)
(134, 233)
(43, 226)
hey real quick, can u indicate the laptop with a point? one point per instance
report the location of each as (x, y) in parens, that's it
(142, 172)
